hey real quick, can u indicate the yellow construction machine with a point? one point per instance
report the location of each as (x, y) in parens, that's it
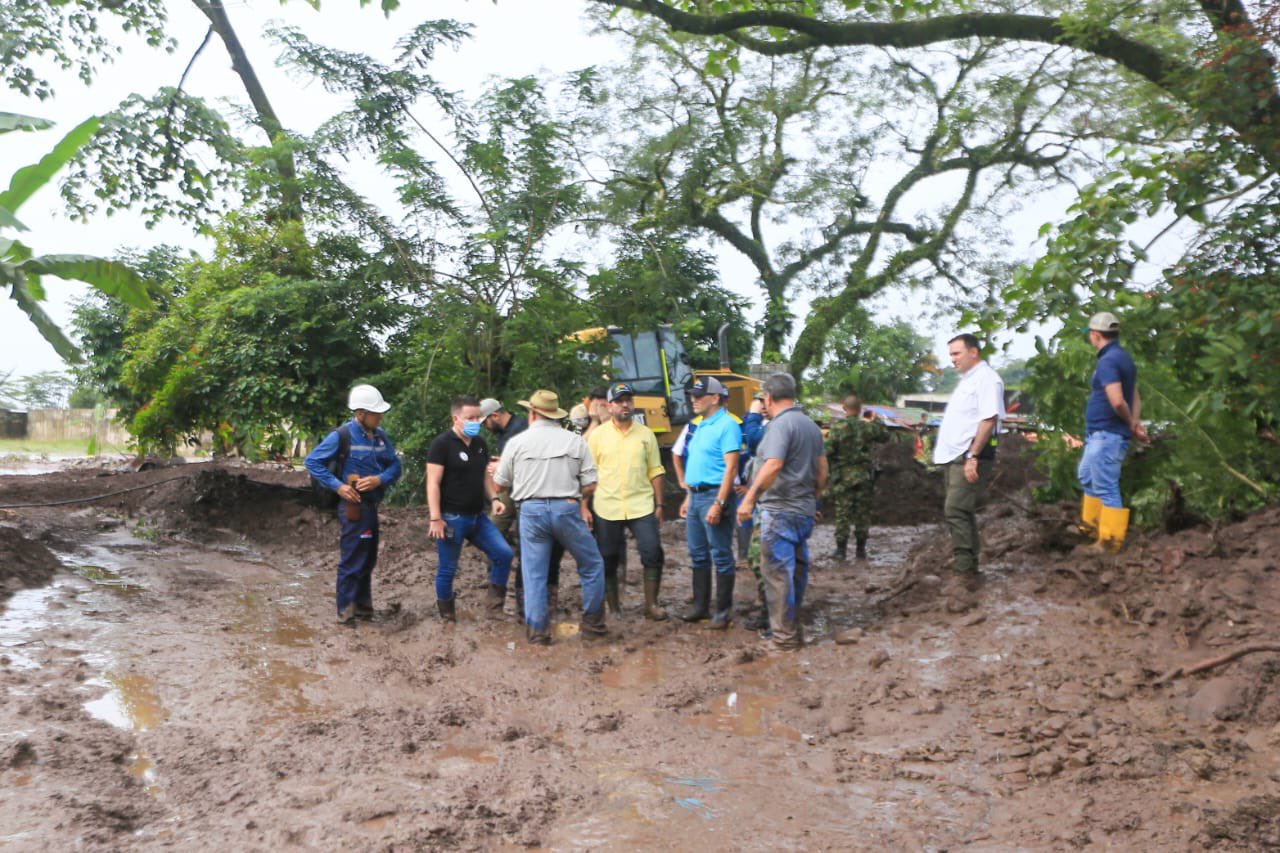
(655, 364)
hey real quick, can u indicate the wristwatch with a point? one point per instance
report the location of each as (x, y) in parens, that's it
(969, 454)
(719, 503)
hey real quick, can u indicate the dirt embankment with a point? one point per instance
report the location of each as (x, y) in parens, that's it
(181, 685)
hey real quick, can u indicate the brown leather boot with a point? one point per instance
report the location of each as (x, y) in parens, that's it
(652, 610)
(593, 624)
(447, 611)
(494, 598)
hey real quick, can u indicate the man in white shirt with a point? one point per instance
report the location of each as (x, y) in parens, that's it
(966, 448)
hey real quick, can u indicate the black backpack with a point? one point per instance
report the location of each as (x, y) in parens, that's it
(326, 497)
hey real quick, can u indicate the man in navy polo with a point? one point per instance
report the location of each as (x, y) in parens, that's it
(710, 469)
(1111, 420)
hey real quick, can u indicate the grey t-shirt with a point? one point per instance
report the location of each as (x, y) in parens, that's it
(797, 441)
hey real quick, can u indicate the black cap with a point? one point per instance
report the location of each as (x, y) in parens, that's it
(620, 389)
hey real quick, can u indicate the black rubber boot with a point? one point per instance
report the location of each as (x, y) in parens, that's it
(447, 611)
(612, 596)
(842, 549)
(701, 596)
(724, 602)
(860, 548)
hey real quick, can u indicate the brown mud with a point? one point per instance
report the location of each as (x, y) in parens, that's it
(173, 679)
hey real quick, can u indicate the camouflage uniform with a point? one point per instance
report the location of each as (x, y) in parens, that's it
(849, 445)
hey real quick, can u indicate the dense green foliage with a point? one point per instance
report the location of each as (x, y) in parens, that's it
(656, 279)
(257, 345)
(877, 362)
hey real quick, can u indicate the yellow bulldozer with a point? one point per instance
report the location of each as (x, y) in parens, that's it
(655, 364)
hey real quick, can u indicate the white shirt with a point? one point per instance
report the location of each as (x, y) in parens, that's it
(979, 395)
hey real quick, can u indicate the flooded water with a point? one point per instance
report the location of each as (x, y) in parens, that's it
(26, 613)
(745, 714)
(131, 702)
(107, 579)
(643, 669)
(277, 623)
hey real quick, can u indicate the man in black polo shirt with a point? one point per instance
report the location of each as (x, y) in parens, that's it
(456, 487)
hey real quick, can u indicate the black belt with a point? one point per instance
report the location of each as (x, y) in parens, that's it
(704, 488)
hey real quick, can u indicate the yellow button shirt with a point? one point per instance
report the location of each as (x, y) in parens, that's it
(626, 464)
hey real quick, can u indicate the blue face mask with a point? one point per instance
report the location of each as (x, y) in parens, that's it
(470, 428)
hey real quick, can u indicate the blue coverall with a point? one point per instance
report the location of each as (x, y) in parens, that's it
(358, 548)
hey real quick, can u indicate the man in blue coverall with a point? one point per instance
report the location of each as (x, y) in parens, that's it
(370, 468)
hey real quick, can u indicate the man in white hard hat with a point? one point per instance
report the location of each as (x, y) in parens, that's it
(367, 466)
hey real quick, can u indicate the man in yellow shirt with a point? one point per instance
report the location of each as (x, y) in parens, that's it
(628, 496)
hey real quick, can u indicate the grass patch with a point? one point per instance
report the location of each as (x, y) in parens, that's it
(65, 447)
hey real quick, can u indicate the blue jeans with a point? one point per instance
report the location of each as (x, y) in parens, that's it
(357, 555)
(710, 544)
(479, 531)
(543, 522)
(784, 552)
(1099, 470)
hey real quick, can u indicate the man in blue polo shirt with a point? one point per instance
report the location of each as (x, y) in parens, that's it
(1111, 420)
(709, 473)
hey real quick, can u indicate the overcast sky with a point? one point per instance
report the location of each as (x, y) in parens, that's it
(511, 38)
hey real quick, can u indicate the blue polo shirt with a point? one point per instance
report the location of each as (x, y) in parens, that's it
(1114, 365)
(716, 436)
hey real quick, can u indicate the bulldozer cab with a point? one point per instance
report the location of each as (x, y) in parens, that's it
(655, 364)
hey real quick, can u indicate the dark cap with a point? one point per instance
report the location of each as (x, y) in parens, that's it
(620, 389)
(708, 385)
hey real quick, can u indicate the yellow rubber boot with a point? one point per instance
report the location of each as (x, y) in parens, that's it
(1090, 510)
(1113, 524)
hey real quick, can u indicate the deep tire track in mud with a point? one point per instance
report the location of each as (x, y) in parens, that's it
(181, 684)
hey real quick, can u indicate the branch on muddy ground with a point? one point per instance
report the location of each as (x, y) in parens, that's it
(1211, 663)
(1075, 573)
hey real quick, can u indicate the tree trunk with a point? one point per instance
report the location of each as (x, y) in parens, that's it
(290, 200)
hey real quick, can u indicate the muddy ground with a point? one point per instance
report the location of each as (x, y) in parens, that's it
(173, 679)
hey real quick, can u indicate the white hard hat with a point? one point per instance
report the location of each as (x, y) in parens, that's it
(368, 398)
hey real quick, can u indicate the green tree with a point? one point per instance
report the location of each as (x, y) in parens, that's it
(258, 345)
(833, 175)
(878, 362)
(655, 279)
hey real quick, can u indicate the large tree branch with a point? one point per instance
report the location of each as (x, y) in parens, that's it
(267, 119)
(821, 320)
(1256, 121)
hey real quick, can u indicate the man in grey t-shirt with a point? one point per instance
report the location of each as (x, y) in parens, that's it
(790, 475)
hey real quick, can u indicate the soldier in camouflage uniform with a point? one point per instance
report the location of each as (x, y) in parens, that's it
(849, 445)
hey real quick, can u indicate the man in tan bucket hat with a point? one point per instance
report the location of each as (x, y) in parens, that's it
(550, 473)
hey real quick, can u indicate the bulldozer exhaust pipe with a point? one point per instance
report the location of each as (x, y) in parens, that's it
(722, 339)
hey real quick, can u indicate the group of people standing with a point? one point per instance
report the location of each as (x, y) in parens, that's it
(544, 489)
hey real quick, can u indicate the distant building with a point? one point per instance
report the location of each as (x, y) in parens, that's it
(932, 403)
